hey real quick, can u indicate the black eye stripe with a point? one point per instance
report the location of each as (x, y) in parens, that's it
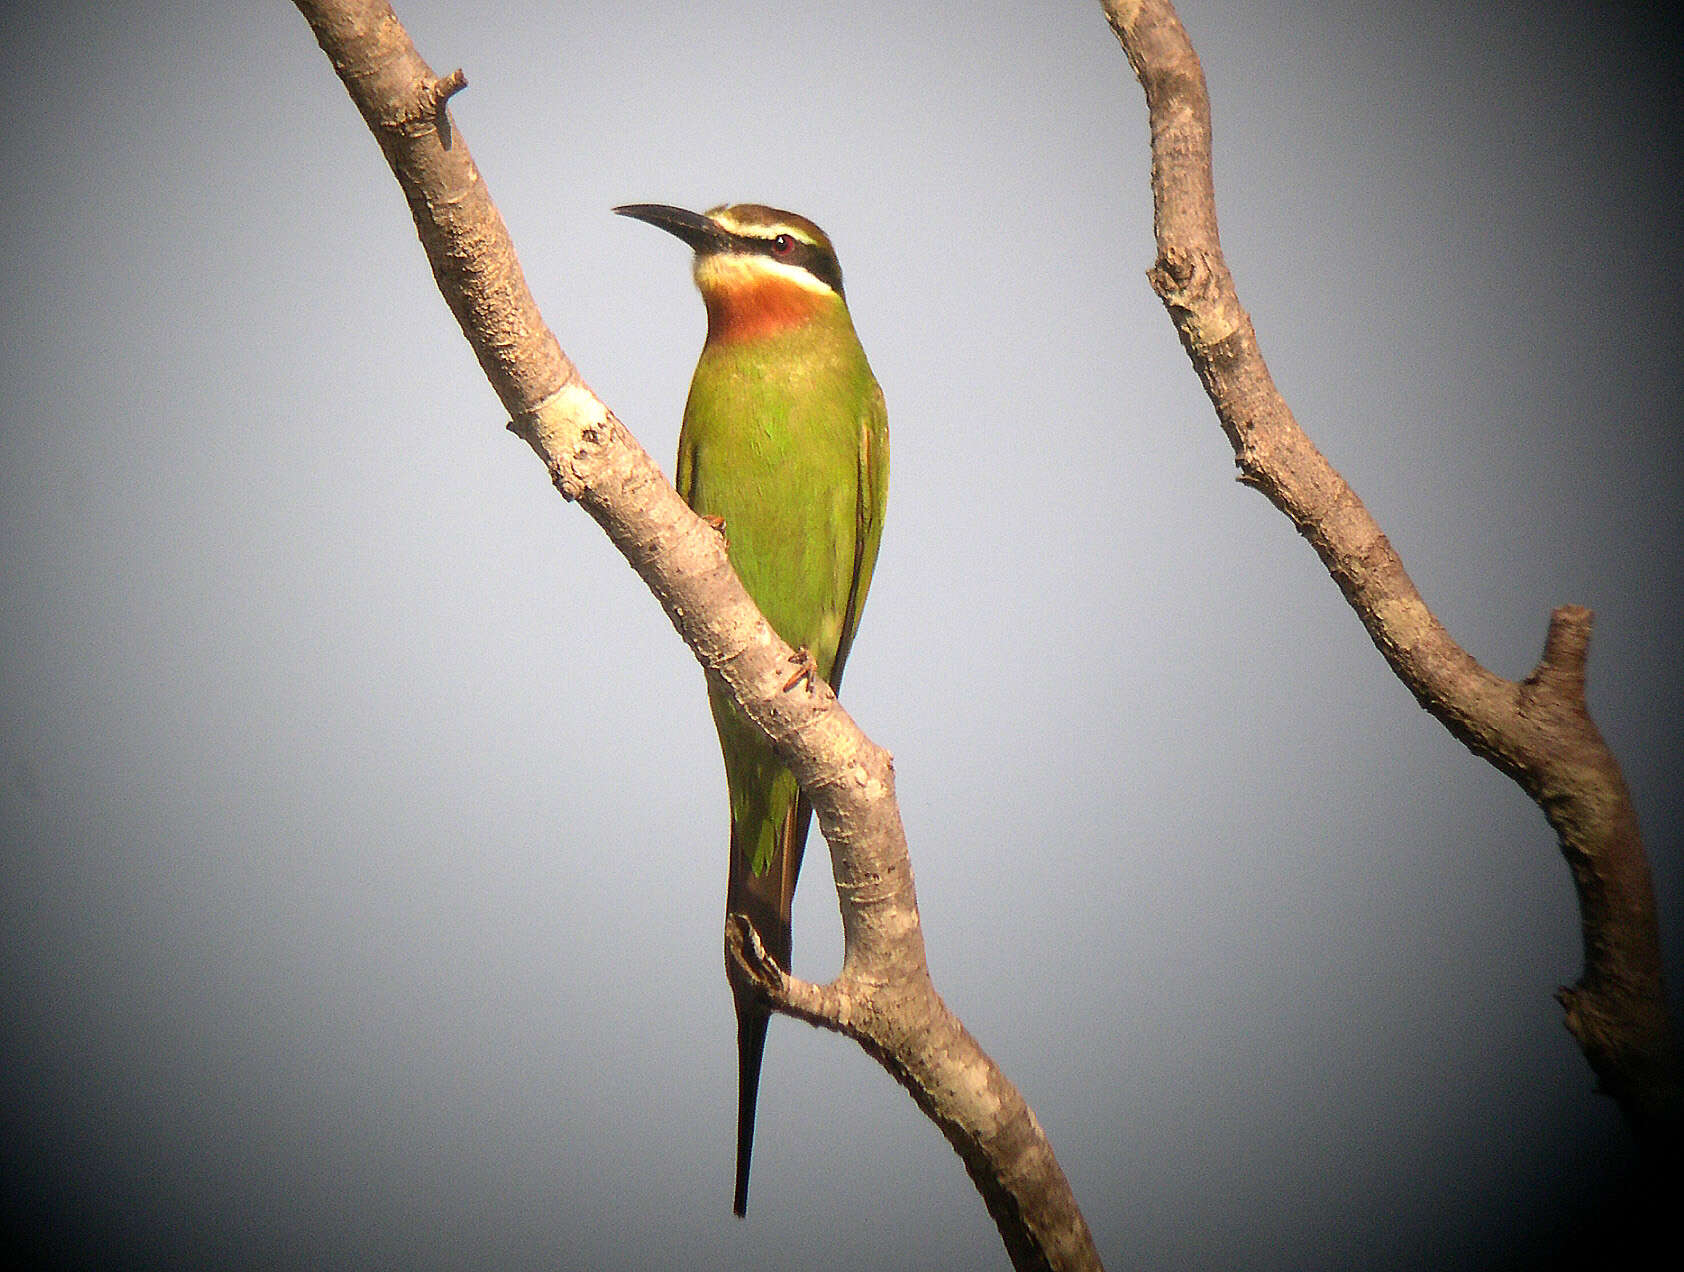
(818, 262)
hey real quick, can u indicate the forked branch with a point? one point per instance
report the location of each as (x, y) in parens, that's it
(1537, 730)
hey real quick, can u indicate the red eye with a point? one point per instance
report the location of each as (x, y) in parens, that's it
(783, 245)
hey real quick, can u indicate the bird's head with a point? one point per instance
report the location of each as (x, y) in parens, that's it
(760, 270)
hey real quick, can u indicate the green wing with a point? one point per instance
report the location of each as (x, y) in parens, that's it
(684, 480)
(868, 520)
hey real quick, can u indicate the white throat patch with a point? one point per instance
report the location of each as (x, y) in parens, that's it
(726, 270)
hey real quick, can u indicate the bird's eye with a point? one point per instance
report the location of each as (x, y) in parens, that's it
(783, 245)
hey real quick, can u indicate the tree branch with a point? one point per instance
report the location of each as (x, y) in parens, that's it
(883, 997)
(1537, 730)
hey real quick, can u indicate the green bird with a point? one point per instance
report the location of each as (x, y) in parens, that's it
(785, 446)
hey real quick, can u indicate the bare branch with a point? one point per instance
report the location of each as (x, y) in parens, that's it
(1538, 730)
(883, 997)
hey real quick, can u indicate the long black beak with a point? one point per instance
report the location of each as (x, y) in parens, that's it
(694, 228)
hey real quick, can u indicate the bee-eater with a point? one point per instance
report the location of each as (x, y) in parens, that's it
(785, 445)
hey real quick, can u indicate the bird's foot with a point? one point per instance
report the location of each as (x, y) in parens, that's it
(718, 524)
(805, 669)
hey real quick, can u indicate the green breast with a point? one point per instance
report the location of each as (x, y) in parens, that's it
(772, 442)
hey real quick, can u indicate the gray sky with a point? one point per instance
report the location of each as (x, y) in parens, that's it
(363, 825)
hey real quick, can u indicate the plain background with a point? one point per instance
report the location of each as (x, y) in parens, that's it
(362, 820)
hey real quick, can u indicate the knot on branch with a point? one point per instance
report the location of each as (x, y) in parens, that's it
(755, 974)
(1198, 291)
(752, 969)
(427, 108)
(1552, 695)
(1566, 651)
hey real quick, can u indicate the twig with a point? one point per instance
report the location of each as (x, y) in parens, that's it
(1537, 730)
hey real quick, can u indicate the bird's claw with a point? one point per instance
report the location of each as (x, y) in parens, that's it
(805, 669)
(718, 525)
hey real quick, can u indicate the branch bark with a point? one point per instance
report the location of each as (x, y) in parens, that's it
(1537, 730)
(883, 997)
